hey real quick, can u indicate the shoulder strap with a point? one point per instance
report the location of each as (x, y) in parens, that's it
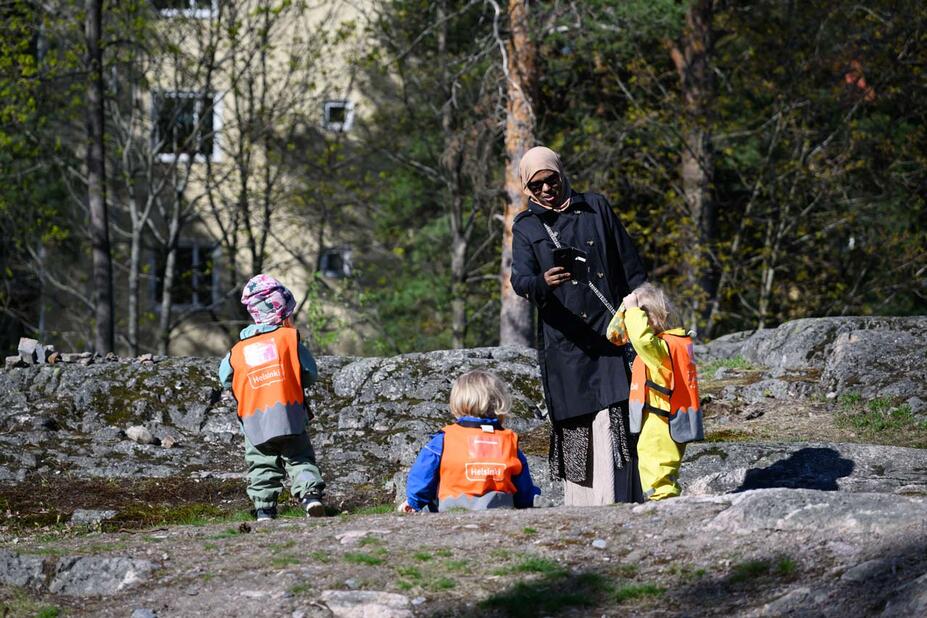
(595, 290)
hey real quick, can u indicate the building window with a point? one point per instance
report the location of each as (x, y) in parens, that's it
(185, 124)
(196, 279)
(338, 115)
(335, 263)
(200, 9)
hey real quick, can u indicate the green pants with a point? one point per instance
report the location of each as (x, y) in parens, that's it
(270, 462)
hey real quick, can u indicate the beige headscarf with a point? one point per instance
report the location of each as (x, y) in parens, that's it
(538, 159)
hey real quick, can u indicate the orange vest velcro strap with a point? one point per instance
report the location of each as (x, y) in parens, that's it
(660, 389)
(266, 382)
(476, 462)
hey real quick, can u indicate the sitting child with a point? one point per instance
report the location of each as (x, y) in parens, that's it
(473, 464)
(664, 401)
(267, 371)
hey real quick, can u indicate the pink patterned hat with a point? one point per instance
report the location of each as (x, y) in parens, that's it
(267, 300)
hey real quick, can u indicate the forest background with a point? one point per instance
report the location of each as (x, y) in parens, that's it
(768, 157)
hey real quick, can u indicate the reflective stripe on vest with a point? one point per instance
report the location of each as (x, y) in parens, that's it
(476, 462)
(679, 402)
(267, 384)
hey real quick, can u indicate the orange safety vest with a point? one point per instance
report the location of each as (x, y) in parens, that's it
(476, 462)
(679, 400)
(267, 384)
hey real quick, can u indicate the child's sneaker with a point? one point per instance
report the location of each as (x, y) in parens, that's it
(312, 504)
(266, 514)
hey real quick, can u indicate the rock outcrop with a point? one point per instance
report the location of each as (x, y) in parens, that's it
(168, 417)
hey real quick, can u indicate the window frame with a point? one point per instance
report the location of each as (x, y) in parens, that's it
(344, 252)
(200, 248)
(338, 127)
(182, 157)
(192, 11)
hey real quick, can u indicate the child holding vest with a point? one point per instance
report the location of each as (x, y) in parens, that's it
(474, 463)
(664, 401)
(267, 370)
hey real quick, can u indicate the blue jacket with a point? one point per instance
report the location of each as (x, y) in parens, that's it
(422, 484)
(309, 372)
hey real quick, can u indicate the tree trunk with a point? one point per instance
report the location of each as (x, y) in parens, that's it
(167, 283)
(96, 178)
(691, 57)
(135, 253)
(515, 323)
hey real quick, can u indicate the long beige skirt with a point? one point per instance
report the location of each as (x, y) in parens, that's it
(601, 490)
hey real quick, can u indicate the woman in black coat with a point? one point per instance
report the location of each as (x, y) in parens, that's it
(585, 377)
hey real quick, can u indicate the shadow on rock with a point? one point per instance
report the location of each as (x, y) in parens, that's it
(808, 468)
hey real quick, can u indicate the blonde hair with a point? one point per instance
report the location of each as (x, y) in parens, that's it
(481, 394)
(660, 311)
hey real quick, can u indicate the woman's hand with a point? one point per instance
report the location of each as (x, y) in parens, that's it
(555, 276)
(405, 508)
(630, 301)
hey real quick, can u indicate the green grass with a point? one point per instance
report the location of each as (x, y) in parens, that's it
(300, 589)
(442, 583)
(881, 420)
(320, 556)
(737, 362)
(461, 566)
(629, 592)
(529, 531)
(279, 562)
(549, 595)
(409, 571)
(422, 556)
(376, 509)
(536, 564)
(444, 553)
(753, 569)
(370, 540)
(357, 557)
(17, 602)
(225, 534)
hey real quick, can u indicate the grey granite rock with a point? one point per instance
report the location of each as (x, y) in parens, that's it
(93, 575)
(20, 570)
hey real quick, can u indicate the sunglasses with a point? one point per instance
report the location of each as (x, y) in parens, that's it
(537, 185)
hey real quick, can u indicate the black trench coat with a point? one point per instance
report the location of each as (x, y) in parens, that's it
(581, 370)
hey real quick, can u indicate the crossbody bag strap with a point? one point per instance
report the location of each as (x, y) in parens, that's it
(595, 290)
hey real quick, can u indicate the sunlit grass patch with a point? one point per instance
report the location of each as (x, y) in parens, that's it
(357, 557)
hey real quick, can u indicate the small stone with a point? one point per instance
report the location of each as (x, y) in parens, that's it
(298, 614)
(722, 373)
(15, 361)
(244, 528)
(600, 543)
(91, 516)
(418, 601)
(54, 357)
(253, 594)
(144, 613)
(86, 360)
(344, 603)
(111, 356)
(831, 395)
(168, 442)
(139, 434)
(28, 350)
(917, 405)
(146, 358)
(352, 583)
